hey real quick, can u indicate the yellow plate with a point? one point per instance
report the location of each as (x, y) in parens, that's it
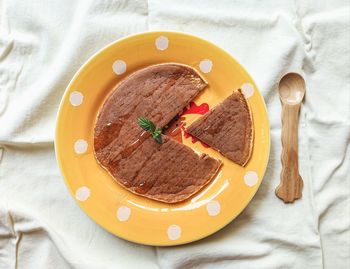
(133, 217)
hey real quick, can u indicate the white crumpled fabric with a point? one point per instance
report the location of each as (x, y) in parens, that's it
(43, 43)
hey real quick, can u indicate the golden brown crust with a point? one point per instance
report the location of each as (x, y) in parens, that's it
(250, 133)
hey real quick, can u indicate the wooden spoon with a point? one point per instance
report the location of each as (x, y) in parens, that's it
(291, 91)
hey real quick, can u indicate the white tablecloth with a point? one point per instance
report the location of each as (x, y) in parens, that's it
(43, 43)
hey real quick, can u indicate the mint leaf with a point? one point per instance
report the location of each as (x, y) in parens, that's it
(158, 138)
(157, 131)
(150, 127)
(157, 135)
(146, 124)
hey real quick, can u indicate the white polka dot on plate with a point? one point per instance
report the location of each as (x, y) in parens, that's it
(248, 89)
(174, 232)
(82, 194)
(80, 146)
(123, 213)
(213, 208)
(76, 98)
(119, 67)
(205, 66)
(251, 178)
(162, 43)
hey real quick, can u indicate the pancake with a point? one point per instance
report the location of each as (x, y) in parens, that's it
(158, 93)
(227, 128)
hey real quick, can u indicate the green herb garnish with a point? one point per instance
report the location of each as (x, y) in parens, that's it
(149, 126)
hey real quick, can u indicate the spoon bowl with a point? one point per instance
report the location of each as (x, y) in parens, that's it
(291, 89)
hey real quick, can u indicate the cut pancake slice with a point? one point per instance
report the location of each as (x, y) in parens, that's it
(227, 128)
(168, 172)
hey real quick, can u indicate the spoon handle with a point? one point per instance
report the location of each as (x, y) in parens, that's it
(291, 185)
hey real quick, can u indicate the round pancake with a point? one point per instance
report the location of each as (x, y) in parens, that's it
(168, 172)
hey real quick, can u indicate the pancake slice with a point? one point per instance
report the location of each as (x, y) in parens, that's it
(227, 128)
(169, 172)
